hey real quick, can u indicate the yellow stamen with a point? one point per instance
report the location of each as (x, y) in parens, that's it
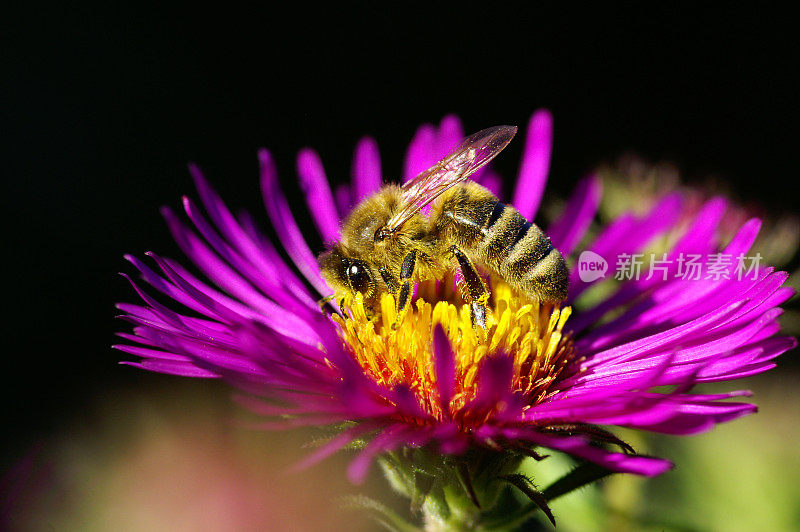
(531, 333)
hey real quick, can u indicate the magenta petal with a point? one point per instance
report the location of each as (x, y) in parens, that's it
(492, 181)
(343, 196)
(420, 154)
(147, 353)
(444, 367)
(449, 135)
(568, 230)
(494, 383)
(744, 238)
(224, 276)
(535, 164)
(173, 368)
(390, 438)
(366, 169)
(318, 195)
(336, 443)
(286, 227)
(430, 144)
(629, 235)
(625, 463)
(698, 238)
(263, 275)
(172, 291)
(264, 266)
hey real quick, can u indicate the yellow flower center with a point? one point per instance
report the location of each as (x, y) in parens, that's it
(532, 333)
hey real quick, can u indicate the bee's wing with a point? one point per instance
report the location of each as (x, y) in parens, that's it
(467, 158)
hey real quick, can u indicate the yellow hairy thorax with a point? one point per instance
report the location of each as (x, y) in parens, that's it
(532, 333)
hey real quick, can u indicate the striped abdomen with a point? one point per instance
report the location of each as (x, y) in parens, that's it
(499, 238)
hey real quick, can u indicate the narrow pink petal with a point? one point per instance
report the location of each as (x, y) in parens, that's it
(167, 315)
(700, 235)
(449, 135)
(150, 353)
(286, 227)
(344, 198)
(318, 195)
(727, 368)
(211, 357)
(336, 443)
(630, 235)
(492, 181)
(170, 290)
(494, 383)
(624, 463)
(695, 351)
(744, 371)
(535, 164)
(221, 305)
(134, 338)
(266, 261)
(223, 275)
(570, 227)
(419, 155)
(404, 398)
(390, 438)
(444, 368)
(267, 249)
(633, 348)
(172, 368)
(263, 276)
(430, 144)
(698, 239)
(366, 169)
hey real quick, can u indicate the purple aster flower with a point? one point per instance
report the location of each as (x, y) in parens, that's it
(433, 396)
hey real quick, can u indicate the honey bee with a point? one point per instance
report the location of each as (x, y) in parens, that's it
(388, 243)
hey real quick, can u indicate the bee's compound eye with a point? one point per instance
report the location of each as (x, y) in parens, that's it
(359, 278)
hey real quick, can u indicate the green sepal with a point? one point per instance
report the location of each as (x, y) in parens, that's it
(580, 476)
(465, 479)
(526, 486)
(397, 474)
(436, 506)
(423, 484)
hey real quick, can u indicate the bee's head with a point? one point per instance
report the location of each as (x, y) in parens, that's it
(367, 233)
(347, 274)
(364, 230)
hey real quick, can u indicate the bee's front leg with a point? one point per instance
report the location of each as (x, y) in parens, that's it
(326, 307)
(403, 293)
(476, 289)
(390, 280)
(325, 300)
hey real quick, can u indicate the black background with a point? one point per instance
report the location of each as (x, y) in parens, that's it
(103, 106)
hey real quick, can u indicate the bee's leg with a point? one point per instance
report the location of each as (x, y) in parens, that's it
(342, 301)
(403, 293)
(326, 307)
(325, 300)
(476, 288)
(389, 279)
